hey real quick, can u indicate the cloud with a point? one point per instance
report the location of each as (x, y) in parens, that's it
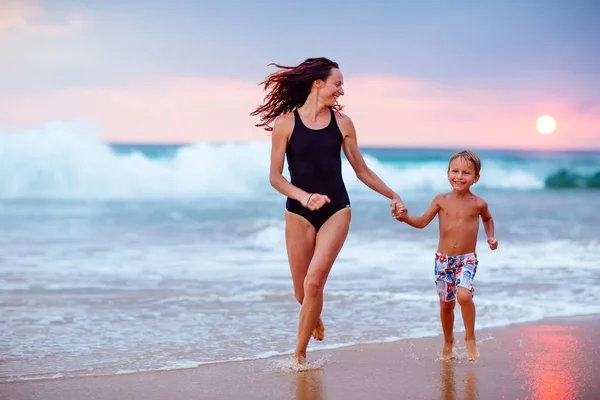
(46, 48)
(408, 112)
(39, 45)
(386, 110)
(29, 17)
(49, 45)
(154, 110)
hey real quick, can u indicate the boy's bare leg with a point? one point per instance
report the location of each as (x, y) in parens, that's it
(467, 308)
(447, 318)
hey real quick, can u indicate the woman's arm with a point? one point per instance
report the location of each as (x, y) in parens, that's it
(356, 160)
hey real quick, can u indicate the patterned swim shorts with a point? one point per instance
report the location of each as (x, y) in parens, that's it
(454, 271)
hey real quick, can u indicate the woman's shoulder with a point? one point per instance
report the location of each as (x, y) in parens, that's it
(342, 119)
(285, 118)
(284, 122)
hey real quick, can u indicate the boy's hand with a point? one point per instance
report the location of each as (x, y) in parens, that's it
(493, 243)
(401, 216)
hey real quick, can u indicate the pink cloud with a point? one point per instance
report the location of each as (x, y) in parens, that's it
(29, 16)
(161, 110)
(398, 111)
(387, 111)
(16, 14)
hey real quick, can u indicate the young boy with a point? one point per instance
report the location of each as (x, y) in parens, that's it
(456, 259)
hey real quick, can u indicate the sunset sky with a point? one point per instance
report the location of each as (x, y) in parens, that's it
(426, 74)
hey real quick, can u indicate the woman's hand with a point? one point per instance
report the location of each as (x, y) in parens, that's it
(314, 201)
(399, 210)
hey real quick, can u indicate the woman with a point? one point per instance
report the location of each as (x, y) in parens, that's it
(311, 131)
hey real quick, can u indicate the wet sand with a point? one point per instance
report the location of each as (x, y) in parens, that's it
(551, 359)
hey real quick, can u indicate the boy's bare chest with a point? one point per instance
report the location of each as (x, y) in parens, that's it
(458, 212)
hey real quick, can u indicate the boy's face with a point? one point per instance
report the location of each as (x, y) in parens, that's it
(461, 174)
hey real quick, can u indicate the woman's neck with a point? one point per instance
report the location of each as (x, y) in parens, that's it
(312, 108)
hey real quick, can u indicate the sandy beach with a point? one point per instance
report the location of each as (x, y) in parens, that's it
(550, 359)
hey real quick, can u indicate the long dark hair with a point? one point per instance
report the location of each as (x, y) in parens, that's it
(290, 88)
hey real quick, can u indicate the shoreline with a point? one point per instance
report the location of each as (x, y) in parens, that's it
(314, 351)
(556, 353)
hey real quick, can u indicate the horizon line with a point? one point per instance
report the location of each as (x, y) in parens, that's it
(371, 147)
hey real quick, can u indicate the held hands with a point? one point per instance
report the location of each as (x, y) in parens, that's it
(493, 243)
(399, 210)
(314, 201)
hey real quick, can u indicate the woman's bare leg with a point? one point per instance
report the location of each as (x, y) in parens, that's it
(300, 238)
(329, 242)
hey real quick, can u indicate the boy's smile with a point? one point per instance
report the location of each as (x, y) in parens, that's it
(461, 174)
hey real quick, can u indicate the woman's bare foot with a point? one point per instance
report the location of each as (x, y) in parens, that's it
(449, 353)
(319, 332)
(472, 352)
(300, 358)
(300, 364)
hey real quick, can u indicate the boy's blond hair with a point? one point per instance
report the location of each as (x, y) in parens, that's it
(470, 157)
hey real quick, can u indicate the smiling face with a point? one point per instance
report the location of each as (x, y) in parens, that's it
(462, 174)
(329, 90)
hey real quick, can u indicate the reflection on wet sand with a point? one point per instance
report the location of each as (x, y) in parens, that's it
(448, 388)
(471, 392)
(448, 385)
(555, 368)
(309, 385)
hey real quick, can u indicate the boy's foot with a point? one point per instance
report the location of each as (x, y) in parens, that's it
(449, 353)
(472, 352)
(319, 332)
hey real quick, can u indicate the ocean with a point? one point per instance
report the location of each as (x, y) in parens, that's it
(126, 258)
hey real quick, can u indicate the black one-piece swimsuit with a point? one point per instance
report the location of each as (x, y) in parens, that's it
(315, 165)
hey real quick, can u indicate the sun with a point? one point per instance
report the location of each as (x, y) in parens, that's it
(546, 125)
